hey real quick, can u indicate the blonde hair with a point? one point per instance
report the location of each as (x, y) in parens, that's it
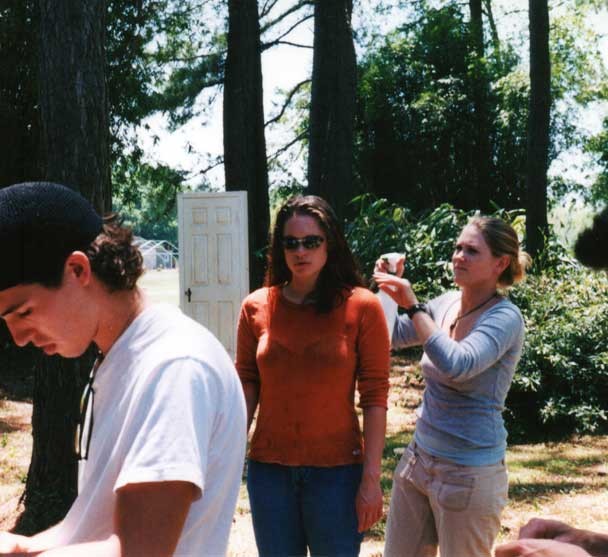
(502, 240)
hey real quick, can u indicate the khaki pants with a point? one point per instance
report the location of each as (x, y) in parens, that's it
(435, 502)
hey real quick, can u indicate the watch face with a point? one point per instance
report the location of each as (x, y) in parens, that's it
(415, 309)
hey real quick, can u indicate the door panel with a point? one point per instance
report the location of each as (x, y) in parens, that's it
(214, 262)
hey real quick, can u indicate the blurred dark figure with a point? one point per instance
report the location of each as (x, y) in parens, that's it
(590, 248)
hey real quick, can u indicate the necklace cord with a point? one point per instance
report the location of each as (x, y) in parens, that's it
(459, 317)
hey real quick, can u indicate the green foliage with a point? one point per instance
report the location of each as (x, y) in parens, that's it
(279, 195)
(598, 146)
(145, 196)
(561, 384)
(416, 118)
(416, 123)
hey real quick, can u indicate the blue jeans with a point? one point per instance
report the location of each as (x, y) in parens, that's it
(300, 507)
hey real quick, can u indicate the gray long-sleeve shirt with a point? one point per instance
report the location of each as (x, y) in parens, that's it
(467, 382)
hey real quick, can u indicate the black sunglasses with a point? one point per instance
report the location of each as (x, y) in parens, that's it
(84, 431)
(292, 243)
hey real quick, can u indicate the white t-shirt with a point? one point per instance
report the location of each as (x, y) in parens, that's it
(168, 406)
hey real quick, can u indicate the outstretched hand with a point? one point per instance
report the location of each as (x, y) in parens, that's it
(12, 543)
(550, 530)
(539, 548)
(542, 537)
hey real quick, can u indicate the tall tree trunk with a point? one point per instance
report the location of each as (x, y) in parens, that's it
(73, 97)
(482, 157)
(19, 114)
(332, 104)
(245, 162)
(75, 143)
(538, 127)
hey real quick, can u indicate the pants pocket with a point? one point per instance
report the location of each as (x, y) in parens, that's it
(455, 492)
(406, 465)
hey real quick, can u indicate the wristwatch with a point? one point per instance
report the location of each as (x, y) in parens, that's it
(415, 309)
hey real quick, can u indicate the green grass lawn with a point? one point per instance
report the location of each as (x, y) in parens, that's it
(161, 286)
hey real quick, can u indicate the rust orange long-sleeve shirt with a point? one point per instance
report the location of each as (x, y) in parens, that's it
(306, 365)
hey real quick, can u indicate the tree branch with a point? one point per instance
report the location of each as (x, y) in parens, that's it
(301, 4)
(290, 95)
(298, 137)
(266, 46)
(267, 7)
(276, 41)
(218, 162)
(187, 59)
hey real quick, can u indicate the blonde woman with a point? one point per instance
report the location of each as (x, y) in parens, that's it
(450, 486)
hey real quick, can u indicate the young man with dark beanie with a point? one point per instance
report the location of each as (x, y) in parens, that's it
(162, 440)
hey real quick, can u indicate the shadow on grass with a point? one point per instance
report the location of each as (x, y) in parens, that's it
(559, 464)
(525, 491)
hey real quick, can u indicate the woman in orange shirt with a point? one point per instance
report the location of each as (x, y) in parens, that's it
(305, 341)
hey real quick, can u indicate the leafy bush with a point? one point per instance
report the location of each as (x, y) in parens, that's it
(561, 384)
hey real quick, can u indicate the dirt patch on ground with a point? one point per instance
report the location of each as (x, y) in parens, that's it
(16, 448)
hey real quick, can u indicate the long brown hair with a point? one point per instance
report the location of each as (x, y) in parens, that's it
(340, 273)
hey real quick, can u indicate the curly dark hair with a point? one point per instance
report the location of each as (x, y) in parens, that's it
(340, 273)
(590, 247)
(115, 260)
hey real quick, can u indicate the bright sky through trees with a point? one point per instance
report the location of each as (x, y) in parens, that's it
(284, 66)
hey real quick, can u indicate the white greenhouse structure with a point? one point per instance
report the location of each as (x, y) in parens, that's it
(157, 254)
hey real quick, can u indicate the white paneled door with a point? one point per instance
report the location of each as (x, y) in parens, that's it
(213, 260)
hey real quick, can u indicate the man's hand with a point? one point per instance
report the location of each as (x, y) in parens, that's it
(539, 548)
(594, 543)
(109, 547)
(550, 530)
(368, 503)
(13, 543)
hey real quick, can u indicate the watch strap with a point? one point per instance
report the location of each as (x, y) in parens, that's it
(415, 309)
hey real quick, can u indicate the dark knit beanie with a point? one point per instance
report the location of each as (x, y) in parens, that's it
(41, 223)
(590, 248)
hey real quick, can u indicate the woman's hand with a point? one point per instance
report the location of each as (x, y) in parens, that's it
(381, 266)
(399, 289)
(368, 503)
